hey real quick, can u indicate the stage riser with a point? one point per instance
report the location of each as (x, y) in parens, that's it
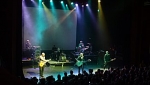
(35, 64)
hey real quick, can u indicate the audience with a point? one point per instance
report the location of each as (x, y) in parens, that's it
(113, 76)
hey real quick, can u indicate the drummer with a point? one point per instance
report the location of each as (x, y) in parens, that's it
(81, 46)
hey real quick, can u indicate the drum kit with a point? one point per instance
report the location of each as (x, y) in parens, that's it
(31, 52)
(62, 57)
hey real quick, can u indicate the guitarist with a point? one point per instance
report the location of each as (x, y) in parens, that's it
(80, 63)
(107, 59)
(42, 62)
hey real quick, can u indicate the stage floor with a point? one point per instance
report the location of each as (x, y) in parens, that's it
(55, 70)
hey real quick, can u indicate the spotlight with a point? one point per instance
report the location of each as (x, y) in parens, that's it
(76, 4)
(99, 0)
(71, 3)
(82, 5)
(51, 0)
(61, 1)
(87, 5)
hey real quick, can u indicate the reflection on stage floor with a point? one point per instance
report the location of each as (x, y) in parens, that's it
(55, 70)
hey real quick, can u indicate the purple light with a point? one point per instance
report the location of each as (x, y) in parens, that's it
(82, 5)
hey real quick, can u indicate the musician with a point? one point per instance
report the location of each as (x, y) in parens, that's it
(29, 51)
(58, 53)
(107, 59)
(81, 46)
(80, 59)
(42, 60)
(28, 44)
(89, 48)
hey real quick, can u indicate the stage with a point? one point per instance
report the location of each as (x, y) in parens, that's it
(55, 70)
(70, 58)
(30, 67)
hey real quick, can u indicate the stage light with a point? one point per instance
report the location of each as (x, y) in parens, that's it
(87, 5)
(76, 4)
(62, 2)
(98, 10)
(82, 5)
(66, 5)
(51, 0)
(99, 0)
(71, 3)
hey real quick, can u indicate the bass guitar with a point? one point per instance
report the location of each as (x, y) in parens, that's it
(79, 63)
(109, 61)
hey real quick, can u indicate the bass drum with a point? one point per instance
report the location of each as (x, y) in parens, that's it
(62, 58)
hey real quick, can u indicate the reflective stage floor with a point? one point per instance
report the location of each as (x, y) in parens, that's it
(54, 70)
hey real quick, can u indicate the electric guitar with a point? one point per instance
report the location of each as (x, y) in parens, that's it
(109, 61)
(42, 63)
(79, 63)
